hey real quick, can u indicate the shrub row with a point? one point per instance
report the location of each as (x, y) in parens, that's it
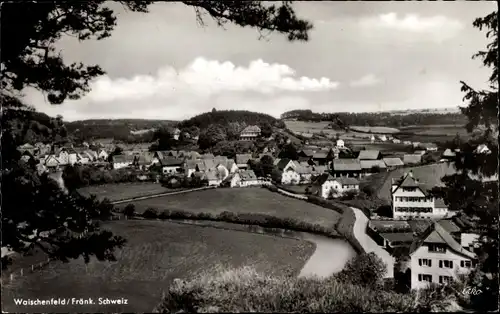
(262, 220)
(245, 290)
(326, 203)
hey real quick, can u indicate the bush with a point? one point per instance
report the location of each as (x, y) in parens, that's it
(245, 290)
(129, 210)
(164, 214)
(150, 213)
(365, 270)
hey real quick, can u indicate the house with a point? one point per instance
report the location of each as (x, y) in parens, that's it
(412, 159)
(483, 149)
(27, 147)
(430, 147)
(372, 139)
(415, 144)
(436, 257)
(122, 161)
(176, 133)
(190, 166)
(27, 156)
(383, 138)
(305, 173)
(306, 154)
(51, 162)
(407, 142)
(411, 199)
(171, 165)
(66, 156)
(393, 162)
(448, 154)
(372, 166)
(347, 184)
(247, 178)
(317, 170)
(369, 155)
(340, 143)
(346, 168)
(141, 162)
(321, 157)
(242, 160)
(325, 186)
(289, 173)
(102, 154)
(396, 141)
(213, 177)
(250, 133)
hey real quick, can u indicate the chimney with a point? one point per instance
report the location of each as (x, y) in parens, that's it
(410, 173)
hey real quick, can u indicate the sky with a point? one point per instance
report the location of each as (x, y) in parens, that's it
(361, 57)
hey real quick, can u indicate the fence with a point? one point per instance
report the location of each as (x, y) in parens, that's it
(22, 271)
(138, 198)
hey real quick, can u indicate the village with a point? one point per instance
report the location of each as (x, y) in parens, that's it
(322, 171)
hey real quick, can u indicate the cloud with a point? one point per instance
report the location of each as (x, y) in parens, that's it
(206, 77)
(197, 88)
(439, 26)
(367, 80)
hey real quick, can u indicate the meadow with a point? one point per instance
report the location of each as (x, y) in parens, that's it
(243, 201)
(300, 127)
(157, 252)
(374, 129)
(120, 191)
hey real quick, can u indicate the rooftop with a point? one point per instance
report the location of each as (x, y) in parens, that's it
(346, 165)
(369, 154)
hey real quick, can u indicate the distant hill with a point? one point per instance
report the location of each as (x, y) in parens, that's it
(130, 130)
(224, 117)
(394, 119)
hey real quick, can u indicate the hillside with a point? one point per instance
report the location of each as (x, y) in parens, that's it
(224, 117)
(130, 130)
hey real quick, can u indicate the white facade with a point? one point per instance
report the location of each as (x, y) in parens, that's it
(120, 165)
(329, 186)
(412, 202)
(436, 267)
(290, 176)
(171, 169)
(340, 143)
(102, 154)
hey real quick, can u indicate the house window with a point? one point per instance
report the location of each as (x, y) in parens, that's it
(466, 264)
(436, 248)
(424, 277)
(425, 262)
(445, 264)
(445, 279)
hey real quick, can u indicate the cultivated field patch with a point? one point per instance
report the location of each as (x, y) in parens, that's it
(119, 191)
(300, 127)
(243, 201)
(374, 129)
(157, 253)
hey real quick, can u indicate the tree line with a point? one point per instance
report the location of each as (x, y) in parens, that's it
(378, 118)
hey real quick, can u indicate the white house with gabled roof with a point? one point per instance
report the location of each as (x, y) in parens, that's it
(437, 258)
(411, 199)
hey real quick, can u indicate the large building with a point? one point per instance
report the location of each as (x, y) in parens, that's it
(250, 133)
(411, 199)
(436, 257)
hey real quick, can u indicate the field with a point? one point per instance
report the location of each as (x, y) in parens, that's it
(243, 201)
(157, 253)
(432, 133)
(115, 192)
(374, 129)
(300, 127)
(430, 175)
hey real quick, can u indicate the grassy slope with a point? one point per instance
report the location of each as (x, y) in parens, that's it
(243, 201)
(120, 191)
(157, 253)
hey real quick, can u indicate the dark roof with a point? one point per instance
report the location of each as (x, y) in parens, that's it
(320, 180)
(405, 237)
(437, 234)
(243, 158)
(283, 163)
(369, 154)
(251, 128)
(122, 158)
(247, 175)
(368, 164)
(347, 181)
(171, 161)
(308, 152)
(207, 156)
(321, 154)
(389, 225)
(412, 158)
(393, 161)
(346, 165)
(449, 226)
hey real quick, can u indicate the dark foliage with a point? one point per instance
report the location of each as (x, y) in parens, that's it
(225, 117)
